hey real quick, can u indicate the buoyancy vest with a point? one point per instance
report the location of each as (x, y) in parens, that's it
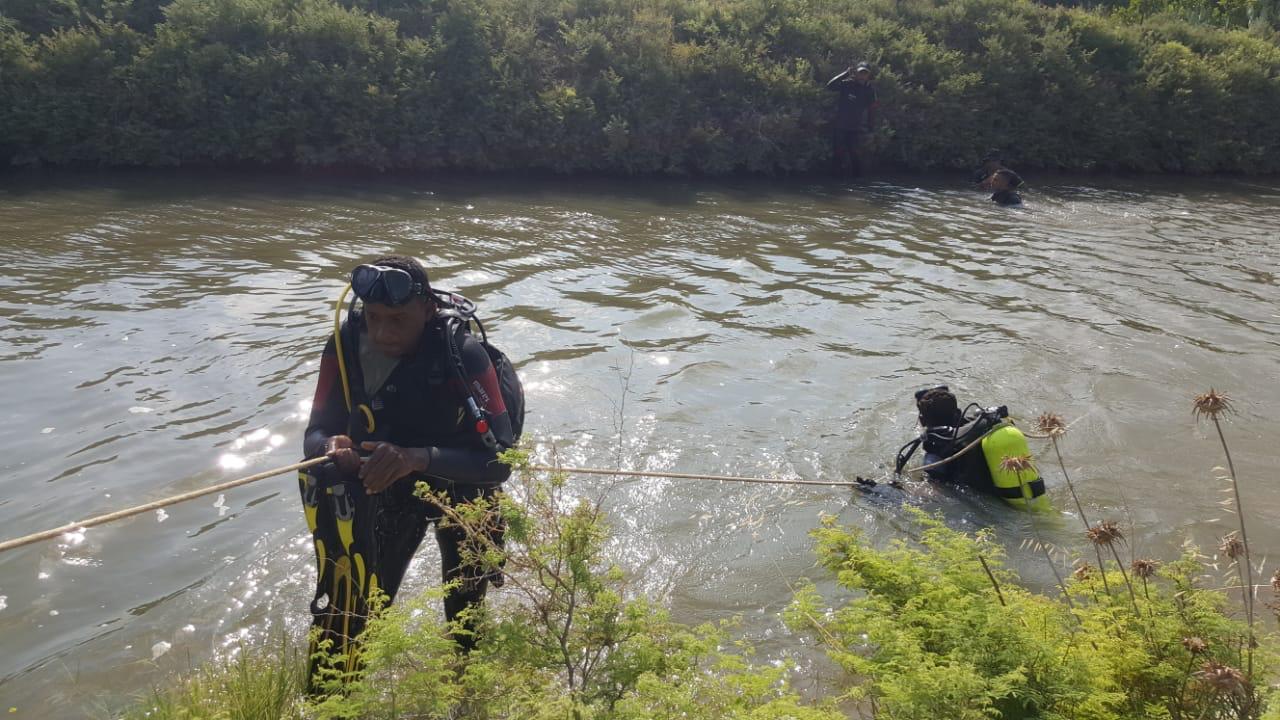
(430, 376)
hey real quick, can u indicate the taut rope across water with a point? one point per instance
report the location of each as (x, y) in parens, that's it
(192, 495)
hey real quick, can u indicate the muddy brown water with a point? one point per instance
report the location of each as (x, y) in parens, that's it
(161, 332)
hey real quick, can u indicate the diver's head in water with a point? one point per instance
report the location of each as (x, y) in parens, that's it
(397, 302)
(1005, 179)
(938, 407)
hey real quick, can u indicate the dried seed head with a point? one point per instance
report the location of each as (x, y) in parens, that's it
(1145, 568)
(1211, 404)
(1016, 463)
(1051, 424)
(1275, 582)
(1195, 645)
(1105, 533)
(1084, 572)
(1232, 546)
(1220, 678)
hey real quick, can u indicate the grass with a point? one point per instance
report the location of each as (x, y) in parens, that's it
(263, 683)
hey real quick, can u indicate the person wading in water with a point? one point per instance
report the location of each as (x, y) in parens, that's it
(855, 116)
(405, 395)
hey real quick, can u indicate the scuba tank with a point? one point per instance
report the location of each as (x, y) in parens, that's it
(1024, 489)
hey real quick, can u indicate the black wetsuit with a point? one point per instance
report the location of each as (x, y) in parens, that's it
(1006, 197)
(854, 106)
(421, 404)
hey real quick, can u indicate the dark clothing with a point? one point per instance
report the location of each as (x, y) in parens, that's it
(855, 103)
(420, 405)
(984, 173)
(844, 154)
(944, 441)
(855, 106)
(1007, 197)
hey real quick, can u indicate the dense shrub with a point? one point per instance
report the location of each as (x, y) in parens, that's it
(629, 86)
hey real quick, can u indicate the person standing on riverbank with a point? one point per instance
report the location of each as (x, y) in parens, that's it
(855, 115)
(395, 405)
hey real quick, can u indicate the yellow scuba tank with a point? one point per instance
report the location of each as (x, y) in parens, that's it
(1025, 491)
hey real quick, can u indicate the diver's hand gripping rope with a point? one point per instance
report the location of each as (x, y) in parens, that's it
(156, 505)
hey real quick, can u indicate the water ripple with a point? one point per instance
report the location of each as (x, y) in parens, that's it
(168, 339)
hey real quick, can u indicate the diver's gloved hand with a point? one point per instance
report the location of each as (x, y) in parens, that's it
(341, 450)
(388, 463)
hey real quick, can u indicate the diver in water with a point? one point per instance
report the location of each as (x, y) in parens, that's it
(991, 162)
(994, 175)
(972, 444)
(1004, 184)
(405, 394)
(856, 105)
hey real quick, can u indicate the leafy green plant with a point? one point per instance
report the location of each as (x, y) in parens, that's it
(940, 628)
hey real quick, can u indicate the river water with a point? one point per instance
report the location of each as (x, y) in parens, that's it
(159, 333)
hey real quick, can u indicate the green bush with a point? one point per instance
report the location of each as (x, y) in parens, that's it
(929, 634)
(634, 86)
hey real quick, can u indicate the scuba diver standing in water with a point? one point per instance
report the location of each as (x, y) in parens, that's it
(971, 445)
(406, 393)
(994, 175)
(855, 117)
(1004, 184)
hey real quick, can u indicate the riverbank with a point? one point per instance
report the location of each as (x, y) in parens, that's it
(656, 87)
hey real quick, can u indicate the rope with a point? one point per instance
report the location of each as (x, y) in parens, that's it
(956, 456)
(156, 505)
(166, 502)
(690, 476)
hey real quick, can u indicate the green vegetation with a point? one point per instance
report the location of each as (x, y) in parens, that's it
(929, 635)
(635, 86)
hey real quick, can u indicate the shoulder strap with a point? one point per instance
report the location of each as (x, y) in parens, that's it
(904, 454)
(453, 325)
